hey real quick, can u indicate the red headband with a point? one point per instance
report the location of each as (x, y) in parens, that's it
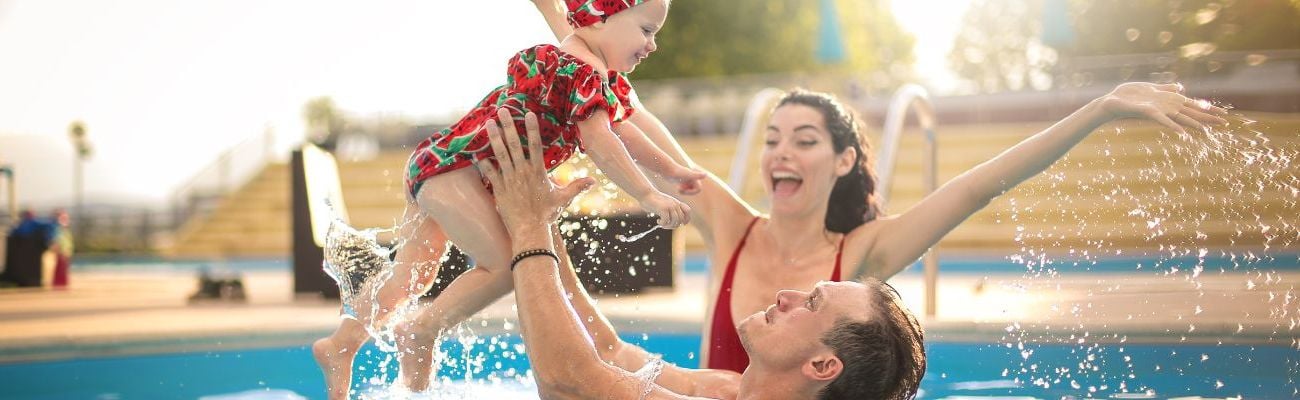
(587, 12)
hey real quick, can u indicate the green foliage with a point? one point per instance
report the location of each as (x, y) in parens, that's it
(322, 115)
(704, 38)
(1143, 26)
(998, 40)
(997, 47)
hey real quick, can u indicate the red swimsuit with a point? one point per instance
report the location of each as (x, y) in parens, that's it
(725, 350)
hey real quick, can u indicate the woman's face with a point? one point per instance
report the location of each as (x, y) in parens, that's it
(799, 163)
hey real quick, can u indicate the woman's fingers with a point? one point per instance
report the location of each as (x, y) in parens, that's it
(1159, 116)
(1170, 87)
(1188, 121)
(1206, 107)
(1204, 117)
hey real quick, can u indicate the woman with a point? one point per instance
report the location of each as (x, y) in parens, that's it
(825, 222)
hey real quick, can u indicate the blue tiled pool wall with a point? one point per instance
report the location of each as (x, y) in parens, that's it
(955, 369)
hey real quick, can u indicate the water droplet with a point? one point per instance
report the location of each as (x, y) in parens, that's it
(1208, 14)
(1132, 34)
(1197, 50)
(1165, 37)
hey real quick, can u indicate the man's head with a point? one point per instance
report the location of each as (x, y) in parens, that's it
(852, 340)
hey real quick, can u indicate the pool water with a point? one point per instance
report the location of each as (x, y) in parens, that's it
(956, 370)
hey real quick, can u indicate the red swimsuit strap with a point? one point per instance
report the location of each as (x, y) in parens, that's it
(725, 350)
(735, 255)
(835, 275)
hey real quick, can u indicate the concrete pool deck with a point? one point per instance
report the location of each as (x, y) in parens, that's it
(107, 313)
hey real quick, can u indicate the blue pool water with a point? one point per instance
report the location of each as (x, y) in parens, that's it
(956, 370)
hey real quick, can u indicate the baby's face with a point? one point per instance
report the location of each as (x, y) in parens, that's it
(628, 37)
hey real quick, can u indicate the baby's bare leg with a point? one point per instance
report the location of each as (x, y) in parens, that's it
(458, 201)
(415, 269)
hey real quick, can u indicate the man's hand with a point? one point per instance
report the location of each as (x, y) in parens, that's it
(525, 198)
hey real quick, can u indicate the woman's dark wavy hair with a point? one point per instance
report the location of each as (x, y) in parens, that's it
(853, 200)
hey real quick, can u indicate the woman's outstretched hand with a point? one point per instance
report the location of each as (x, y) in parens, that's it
(1163, 103)
(525, 197)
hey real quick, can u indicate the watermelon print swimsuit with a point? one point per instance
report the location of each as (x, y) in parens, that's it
(557, 86)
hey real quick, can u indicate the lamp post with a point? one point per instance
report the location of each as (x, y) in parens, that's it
(77, 132)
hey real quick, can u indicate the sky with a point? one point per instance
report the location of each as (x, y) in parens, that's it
(166, 86)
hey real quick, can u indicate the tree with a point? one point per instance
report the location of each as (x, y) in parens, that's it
(704, 38)
(998, 47)
(1000, 42)
(324, 121)
(1144, 26)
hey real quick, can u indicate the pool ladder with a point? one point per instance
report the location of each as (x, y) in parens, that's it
(909, 97)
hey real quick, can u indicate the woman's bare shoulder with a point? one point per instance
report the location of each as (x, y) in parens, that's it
(860, 245)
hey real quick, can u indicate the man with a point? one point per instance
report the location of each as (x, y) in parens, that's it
(843, 340)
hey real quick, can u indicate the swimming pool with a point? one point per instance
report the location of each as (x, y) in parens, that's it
(956, 371)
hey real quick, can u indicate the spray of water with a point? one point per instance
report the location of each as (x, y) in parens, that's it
(1191, 225)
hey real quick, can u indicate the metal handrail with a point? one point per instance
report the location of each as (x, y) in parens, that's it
(226, 173)
(756, 111)
(913, 97)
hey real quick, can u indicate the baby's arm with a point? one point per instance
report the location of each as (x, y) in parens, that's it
(655, 159)
(610, 155)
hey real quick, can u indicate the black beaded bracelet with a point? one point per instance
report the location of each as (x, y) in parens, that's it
(534, 252)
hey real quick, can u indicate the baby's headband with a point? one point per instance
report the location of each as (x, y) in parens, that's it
(587, 12)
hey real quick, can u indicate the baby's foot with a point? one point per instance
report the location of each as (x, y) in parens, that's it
(335, 362)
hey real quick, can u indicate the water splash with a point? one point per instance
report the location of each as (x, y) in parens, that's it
(1210, 210)
(633, 238)
(358, 264)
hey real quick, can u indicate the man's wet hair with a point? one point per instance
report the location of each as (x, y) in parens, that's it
(883, 356)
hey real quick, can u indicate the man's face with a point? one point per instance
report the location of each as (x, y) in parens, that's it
(789, 332)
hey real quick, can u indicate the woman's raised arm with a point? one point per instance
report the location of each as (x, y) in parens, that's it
(892, 243)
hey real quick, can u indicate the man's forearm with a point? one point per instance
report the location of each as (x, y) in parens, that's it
(602, 333)
(558, 347)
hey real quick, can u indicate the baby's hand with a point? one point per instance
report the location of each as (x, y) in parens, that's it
(672, 213)
(688, 180)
